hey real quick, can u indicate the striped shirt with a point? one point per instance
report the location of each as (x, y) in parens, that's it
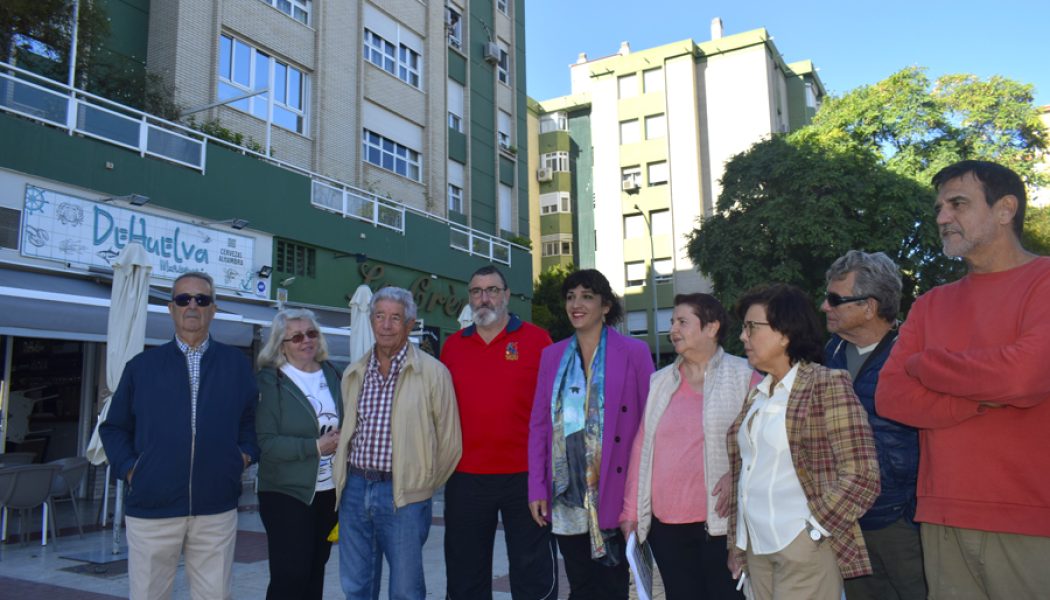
(370, 447)
(193, 363)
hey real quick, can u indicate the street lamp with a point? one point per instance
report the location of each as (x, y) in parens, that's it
(652, 285)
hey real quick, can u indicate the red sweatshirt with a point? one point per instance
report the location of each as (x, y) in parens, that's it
(982, 339)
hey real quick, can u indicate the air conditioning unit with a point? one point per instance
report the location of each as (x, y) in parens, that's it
(543, 174)
(630, 185)
(492, 52)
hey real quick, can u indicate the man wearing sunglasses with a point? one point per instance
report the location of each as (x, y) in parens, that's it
(180, 431)
(970, 371)
(861, 306)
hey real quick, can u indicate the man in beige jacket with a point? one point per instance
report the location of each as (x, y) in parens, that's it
(400, 441)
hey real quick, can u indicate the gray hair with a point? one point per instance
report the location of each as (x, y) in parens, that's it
(877, 276)
(397, 295)
(193, 275)
(271, 354)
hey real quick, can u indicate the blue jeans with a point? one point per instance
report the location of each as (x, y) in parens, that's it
(370, 529)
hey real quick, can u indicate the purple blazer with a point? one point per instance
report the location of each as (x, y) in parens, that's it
(628, 366)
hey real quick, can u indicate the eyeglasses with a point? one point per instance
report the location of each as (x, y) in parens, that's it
(749, 327)
(835, 300)
(490, 291)
(299, 337)
(200, 299)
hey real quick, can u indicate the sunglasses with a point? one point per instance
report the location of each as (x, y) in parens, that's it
(184, 299)
(835, 300)
(299, 337)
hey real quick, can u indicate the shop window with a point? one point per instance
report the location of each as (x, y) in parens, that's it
(296, 259)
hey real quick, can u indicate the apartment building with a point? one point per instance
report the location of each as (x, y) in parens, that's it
(319, 146)
(629, 162)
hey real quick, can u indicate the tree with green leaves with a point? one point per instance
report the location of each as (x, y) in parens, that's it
(548, 303)
(858, 178)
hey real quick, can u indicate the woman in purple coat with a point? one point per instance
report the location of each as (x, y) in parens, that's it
(590, 398)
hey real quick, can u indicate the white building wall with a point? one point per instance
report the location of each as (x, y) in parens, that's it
(683, 127)
(608, 209)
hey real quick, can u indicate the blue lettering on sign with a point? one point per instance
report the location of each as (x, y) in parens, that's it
(106, 228)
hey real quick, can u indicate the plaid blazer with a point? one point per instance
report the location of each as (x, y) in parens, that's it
(833, 451)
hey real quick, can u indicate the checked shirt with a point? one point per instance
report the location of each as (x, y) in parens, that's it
(370, 448)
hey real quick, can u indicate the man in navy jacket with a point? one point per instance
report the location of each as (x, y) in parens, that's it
(861, 306)
(181, 431)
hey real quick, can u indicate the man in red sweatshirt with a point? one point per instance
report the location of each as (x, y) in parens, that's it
(970, 372)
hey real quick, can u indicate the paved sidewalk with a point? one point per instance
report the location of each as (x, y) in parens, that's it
(42, 572)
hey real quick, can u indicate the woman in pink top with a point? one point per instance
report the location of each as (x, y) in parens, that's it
(678, 483)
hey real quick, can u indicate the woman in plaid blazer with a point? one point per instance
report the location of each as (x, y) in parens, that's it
(801, 455)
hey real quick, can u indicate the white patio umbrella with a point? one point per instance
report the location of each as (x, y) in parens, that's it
(125, 337)
(361, 337)
(466, 317)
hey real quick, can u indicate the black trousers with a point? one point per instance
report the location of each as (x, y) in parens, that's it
(692, 563)
(473, 505)
(589, 579)
(297, 540)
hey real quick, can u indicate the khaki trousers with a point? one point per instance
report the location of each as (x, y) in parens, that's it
(154, 546)
(804, 570)
(965, 563)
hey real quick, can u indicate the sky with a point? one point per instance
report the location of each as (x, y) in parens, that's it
(851, 42)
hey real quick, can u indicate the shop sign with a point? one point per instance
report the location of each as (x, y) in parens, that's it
(425, 291)
(56, 226)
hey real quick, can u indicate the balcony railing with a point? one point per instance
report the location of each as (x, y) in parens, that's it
(30, 95)
(353, 203)
(48, 101)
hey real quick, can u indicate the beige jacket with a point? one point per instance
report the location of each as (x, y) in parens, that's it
(726, 382)
(424, 428)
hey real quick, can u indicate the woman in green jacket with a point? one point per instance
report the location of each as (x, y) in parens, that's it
(297, 424)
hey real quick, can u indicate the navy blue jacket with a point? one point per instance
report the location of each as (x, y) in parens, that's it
(149, 428)
(897, 445)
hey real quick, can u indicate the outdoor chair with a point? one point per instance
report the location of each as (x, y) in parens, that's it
(25, 488)
(64, 487)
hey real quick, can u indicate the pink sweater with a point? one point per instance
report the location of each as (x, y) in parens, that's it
(679, 494)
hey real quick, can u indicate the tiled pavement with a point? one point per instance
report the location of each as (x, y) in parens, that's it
(41, 572)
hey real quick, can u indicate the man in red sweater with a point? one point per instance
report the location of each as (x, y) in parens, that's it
(970, 372)
(494, 365)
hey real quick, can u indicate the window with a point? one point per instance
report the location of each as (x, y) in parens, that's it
(657, 172)
(635, 272)
(455, 198)
(296, 259)
(811, 96)
(556, 245)
(502, 5)
(556, 161)
(243, 69)
(653, 80)
(655, 127)
(556, 202)
(663, 320)
(390, 155)
(664, 269)
(632, 177)
(503, 66)
(633, 227)
(558, 121)
(661, 220)
(637, 322)
(400, 61)
(627, 85)
(506, 208)
(296, 9)
(503, 130)
(455, 105)
(630, 132)
(454, 27)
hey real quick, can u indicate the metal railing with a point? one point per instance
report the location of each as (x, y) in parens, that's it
(48, 101)
(35, 97)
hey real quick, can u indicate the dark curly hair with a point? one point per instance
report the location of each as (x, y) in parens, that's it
(593, 280)
(789, 312)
